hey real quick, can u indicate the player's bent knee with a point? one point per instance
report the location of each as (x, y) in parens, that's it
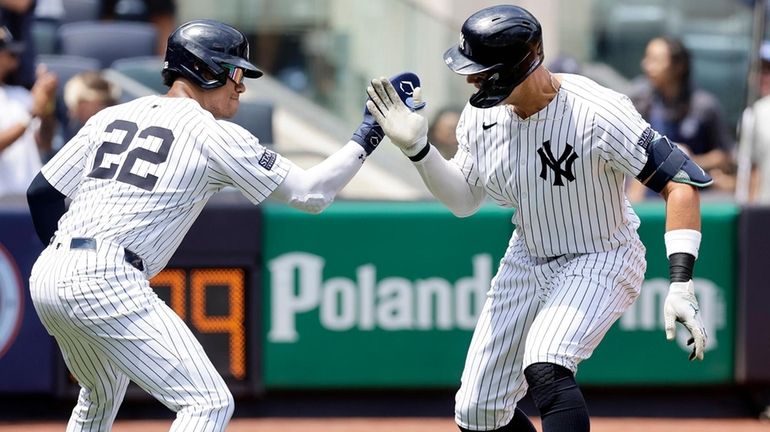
(546, 381)
(226, 403)
(556, 394)
(219, 404)
(221, 410)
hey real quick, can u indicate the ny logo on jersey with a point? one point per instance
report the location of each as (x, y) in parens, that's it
(567, 157)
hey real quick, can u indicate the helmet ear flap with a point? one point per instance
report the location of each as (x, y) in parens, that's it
(210, 79)
(186, 64)
(503, 79)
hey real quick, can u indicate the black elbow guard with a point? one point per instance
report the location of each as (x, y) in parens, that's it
(46, 205)
(666, 161)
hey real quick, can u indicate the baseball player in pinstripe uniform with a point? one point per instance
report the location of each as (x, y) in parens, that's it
(138, 175)
(557, 148)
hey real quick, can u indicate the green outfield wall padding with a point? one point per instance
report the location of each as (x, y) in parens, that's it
(385, 295)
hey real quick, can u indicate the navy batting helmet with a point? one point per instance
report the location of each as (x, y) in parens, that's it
(200, 50)
(506, 43)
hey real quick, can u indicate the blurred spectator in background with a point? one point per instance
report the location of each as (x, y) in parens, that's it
(755, 134)
(27, 122)
(674, 106)
(17, 16)
(85, 94)
(442, 131)
(161, 13)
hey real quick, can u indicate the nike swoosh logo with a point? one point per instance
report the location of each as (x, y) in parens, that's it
(487, 126)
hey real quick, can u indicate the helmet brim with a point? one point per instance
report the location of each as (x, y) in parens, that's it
(461, 64)
(249, 70)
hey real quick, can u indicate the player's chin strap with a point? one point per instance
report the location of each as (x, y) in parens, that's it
(666, 161)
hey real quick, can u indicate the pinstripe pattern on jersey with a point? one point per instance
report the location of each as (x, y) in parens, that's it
(589, 214)
(552, 310)
(575, 262)
(206, 156)
(112, 328)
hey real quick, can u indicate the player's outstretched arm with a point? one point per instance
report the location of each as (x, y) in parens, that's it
(314, 189)
(682, 243)
(408, 130)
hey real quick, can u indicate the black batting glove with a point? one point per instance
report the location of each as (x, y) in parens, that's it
(369, 134)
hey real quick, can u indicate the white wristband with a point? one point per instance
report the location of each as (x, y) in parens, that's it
(682, 240)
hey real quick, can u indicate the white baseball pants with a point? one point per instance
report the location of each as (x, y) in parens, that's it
(111, 328)
(553, 310)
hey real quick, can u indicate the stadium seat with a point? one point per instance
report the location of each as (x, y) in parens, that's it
(44, 33)
(80, 10)
(107, 41)
(145, 70)
(257, 118)
(627, 32)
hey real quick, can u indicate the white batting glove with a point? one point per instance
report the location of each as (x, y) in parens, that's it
(681, 305)
(405, 128)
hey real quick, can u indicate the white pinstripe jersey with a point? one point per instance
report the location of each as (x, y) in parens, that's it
(563, 168)
(140, 173)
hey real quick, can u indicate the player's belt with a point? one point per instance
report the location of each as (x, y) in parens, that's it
(90, 244)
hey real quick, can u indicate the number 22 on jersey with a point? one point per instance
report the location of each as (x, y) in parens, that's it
(139, 153)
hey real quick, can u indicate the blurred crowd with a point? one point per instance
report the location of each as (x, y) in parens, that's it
(668, 98)
(27, 120)
(42, 106)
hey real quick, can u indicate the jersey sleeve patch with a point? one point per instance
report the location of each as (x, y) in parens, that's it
(646, 138)
(268, 159)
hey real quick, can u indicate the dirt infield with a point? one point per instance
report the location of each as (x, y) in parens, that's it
(416, 425)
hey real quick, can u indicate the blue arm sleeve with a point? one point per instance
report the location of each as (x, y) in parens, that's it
(46, 204)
